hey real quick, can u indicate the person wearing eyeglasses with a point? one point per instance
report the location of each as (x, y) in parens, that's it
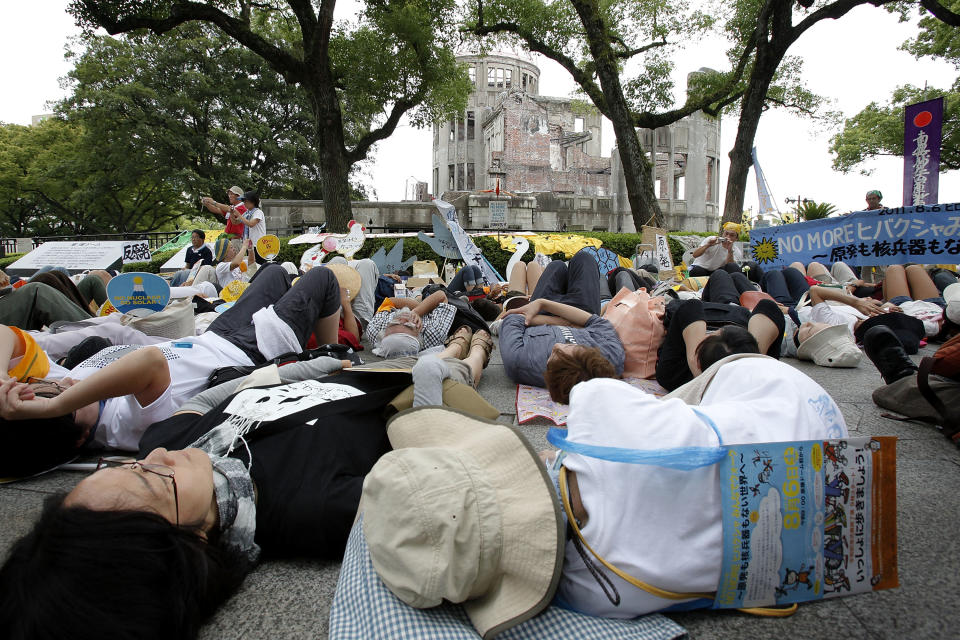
(156, 544)
(110, 398)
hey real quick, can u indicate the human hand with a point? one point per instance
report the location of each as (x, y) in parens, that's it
(18, 402)
(344, 297)
(867, 306)
(713, 240)
(394, 277)
(529, 311)
(346, 364)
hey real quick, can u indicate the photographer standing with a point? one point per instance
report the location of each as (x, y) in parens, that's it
(231, 212)
(716, 251)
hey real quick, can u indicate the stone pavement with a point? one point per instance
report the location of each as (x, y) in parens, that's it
(291, 599)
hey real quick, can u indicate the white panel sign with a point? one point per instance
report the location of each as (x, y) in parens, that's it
(498, 214)
(74, 256)
(664, 260)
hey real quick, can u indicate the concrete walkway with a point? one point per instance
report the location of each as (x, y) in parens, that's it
(291, 599)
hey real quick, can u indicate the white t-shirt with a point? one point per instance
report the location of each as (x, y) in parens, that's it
(123, 421)
(662, 525)
(258, 230)
(716, 256)
(226, 275)
(832, 313)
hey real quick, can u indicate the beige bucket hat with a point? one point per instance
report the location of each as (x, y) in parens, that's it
(831, 347)
(347, 277)
(463, 510)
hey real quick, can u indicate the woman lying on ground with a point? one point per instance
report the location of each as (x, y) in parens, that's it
(563, 310)
(123, 389)
(149, 549)
(503, 553)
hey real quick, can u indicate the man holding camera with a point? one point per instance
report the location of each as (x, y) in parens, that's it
(716, 251)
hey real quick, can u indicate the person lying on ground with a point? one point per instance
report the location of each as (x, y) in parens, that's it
(111, 398)
(406, 326)
(225, 481)
(444, 463)
(564, 309)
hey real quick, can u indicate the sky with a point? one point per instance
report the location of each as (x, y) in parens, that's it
(854, 61)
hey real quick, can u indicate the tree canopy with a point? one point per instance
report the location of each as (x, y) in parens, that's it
(359, 78)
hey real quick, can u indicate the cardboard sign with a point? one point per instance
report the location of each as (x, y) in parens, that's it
(664, 259)
(73, 256)
(424, 273)
(268, 246)
(393, 261)
(136, 251)
(138, 293)
(442, 241)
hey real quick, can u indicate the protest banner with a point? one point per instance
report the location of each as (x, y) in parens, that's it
(921, 152)
(136, 251)
(926, 234)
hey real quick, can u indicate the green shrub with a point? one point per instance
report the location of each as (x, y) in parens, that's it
(10, 259)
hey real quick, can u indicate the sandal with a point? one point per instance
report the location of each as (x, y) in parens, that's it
(462, 338)
(482, 340)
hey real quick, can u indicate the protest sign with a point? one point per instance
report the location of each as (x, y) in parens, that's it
(136, 251)
(927, 234)
(498, 214)
(138, 293)
(807, 520)
(268, 246)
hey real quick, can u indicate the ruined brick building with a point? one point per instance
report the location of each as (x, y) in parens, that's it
(548, 151)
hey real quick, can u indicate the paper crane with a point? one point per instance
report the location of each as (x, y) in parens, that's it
(345, 244)
(442, 241)
(392, 262)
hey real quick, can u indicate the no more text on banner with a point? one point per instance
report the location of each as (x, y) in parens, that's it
(926, 234)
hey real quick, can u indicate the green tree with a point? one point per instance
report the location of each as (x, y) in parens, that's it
(781, 24)
(56, 178)
(593, 41)
(359, 79)
(878, 130)
(202, 107)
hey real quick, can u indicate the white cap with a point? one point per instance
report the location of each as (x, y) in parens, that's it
(831, 347)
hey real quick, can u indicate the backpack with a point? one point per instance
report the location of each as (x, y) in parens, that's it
(946, 364)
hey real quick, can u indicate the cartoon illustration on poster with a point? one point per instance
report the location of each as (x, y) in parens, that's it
(807, 520)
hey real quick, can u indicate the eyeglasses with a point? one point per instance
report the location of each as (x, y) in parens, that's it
(157, 469)
(40, 383)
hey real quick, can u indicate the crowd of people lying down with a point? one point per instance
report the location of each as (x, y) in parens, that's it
(259, 435)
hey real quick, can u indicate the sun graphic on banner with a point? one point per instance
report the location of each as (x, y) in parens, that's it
(765, 250)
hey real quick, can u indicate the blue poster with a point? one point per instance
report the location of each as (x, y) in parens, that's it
(924, 234)
(807, 520)
(140, 293)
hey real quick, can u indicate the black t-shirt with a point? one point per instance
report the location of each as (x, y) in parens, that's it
(203, 254)
(308, 477)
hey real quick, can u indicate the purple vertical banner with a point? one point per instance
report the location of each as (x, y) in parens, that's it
(921, 152)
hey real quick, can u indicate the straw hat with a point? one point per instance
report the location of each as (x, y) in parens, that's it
(830, 347)
(348, 278)
(463, 510)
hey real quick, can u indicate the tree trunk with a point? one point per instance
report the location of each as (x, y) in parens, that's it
(740, 156)
(636, 169)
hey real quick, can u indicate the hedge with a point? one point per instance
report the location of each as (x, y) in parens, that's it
(623, 244)
(10, 259)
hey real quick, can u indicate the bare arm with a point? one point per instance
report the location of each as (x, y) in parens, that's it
(430, 303)
(703, 247)
(144, 374)
(866, 306)
(531, 311)
(215, 207)
(244, 251)
(349, 320)
(9, 349)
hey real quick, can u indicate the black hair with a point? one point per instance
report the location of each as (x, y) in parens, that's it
(488, 309)
(729, 340)
(200, 232)
(83, 573)
(252, 196)
(39, 444)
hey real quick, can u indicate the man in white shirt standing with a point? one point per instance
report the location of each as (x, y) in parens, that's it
(253, 220)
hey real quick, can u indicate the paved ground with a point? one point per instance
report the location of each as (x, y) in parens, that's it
(292, 599)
